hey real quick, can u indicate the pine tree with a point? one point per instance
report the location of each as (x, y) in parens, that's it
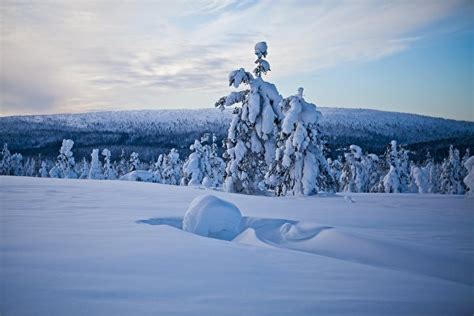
(171, 168)
(451, 181)
(123, 166)
(6, 163)
(203, 165)
(134, 162)
(85, 169)
(469, 178)
(43, 171)
(250, 143)
(300, 167)
(109, 172)
(95, 171)
(65, 160)
(17, 164)
(397, 178)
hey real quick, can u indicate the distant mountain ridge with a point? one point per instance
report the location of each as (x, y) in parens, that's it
(151, 132)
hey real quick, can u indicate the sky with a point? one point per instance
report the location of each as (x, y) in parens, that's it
(82, 56)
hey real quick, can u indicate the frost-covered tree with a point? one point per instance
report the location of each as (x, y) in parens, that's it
(250, 143)
(336, 171)
(300, 167)
(85, 169)
(360, 172)
(17, 164)
(450, 180)
(193, 166)
(6, 163)
(29, 169)
(109, 172)
(170, 166)
(469, 178)
(203, 165)
(95, 171)
(65, 160)
(397, 178)
(122, 166)
(420, 176)
(134, 162)
(43, 171)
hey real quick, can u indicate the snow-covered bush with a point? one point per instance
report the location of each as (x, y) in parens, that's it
(109, 171)
(469, 179)
(17, 165)
(250, 143)
(300, 167)
(210, 216)
(95, 171)
(65, 162)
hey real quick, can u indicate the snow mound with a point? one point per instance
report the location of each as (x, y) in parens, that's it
(210, 216)
(138, 175)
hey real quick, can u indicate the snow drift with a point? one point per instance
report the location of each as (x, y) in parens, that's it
(210, 216)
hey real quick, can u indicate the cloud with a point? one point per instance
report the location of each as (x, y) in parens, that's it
(81, 55)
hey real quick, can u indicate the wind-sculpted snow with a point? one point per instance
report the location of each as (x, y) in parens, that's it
(80, 247)
(164, 129)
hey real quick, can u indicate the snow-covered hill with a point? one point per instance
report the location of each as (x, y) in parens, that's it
(71, 247)
(159, 130)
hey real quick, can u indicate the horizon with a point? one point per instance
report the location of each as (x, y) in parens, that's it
(84, 57)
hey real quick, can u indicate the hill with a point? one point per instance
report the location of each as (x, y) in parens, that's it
(151, 132)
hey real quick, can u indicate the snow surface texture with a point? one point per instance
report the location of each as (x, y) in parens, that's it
(210, 216)
(73, 247)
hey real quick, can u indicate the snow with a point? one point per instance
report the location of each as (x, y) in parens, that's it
(261, 49)
(210, 216)
(469, 179)
(81, 247)
(138, 175)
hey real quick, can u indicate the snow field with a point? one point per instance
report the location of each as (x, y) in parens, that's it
(71, 247)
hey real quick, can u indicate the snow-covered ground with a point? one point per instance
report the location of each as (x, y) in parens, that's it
(79, 247)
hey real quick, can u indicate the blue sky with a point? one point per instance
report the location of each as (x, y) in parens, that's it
(407, 56)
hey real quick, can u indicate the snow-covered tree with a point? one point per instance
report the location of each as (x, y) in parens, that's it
(250, 143)
(122, 166)
(469, 178)
(17, 164)
(29, 169)
(420, 176)
(134, 162)
(360, 172)
(336, 171)
(397, 178)
(85, 169)
(109, 172)
(300, 167)
(5, 163)
(451, 181)
(43, 171)
(95, 171)
(170, 166)
(203, 166)
(65, 160)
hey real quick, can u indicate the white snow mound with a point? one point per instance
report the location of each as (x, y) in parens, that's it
(210, 216)
(138, 175)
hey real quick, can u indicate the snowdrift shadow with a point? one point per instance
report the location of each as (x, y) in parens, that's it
(331, 242)
(170, 221)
